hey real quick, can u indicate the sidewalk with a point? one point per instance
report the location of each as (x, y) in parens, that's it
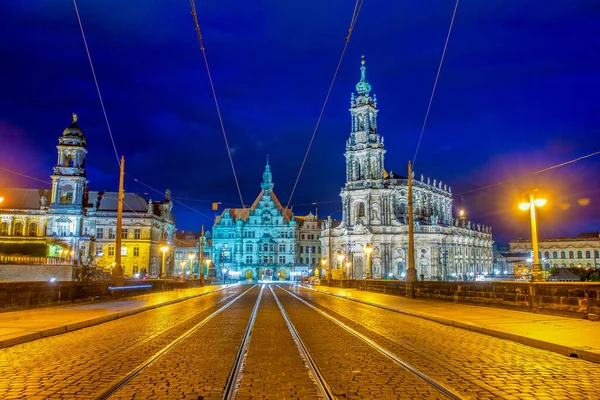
(27, 325)
(567, 336)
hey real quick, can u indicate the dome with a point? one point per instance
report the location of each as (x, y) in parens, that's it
(73, 129)
(363, 87)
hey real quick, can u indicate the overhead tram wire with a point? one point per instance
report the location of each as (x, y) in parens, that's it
(214, 93)
(437, 76)
(87, 50)
(25, 176)
(530, 173)
(355, 13)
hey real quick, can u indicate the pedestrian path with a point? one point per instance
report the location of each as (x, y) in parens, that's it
(568, 336)
(26, 325)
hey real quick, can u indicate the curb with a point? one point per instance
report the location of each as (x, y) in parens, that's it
(527, 341)
(28, 337)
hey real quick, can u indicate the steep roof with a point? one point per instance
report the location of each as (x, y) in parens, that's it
(109, 201)
(243, 213)
(21, 199)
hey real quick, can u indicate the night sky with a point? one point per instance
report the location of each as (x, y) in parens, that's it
(518, 92)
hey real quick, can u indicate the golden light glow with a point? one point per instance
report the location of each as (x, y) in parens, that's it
(1, 199)
(164, 249)
(524, 206)
(191, 256)
(585, 201)
(461, 213)
(208, 260)
(540, 202)
(368, 249)
(340, 257)
(323, 261)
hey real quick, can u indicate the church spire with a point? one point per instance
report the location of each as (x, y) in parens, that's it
(267, 183)
(363, 87)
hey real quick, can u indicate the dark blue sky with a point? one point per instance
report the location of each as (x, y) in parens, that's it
(518, 92)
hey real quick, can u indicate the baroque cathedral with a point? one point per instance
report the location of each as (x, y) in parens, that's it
(71, 225)
(375, 213)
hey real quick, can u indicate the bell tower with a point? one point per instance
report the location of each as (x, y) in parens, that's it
(69, 180)
(364, 149)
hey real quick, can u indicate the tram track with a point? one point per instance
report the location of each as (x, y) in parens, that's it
(121, 382)
(440, 388)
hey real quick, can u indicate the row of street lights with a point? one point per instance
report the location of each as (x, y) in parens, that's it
(191, 257)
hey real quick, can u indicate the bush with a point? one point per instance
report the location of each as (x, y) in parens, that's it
(26, 249)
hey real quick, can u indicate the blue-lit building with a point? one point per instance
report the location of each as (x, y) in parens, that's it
(256, 242)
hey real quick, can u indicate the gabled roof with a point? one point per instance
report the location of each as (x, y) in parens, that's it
(243, 213)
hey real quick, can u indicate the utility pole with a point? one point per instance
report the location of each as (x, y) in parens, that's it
(117, 273)
(411, 272)
(202, 259)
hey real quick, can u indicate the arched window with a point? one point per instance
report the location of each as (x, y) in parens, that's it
(571, 255)
(588, 254)
(66, 194)
(579, 254)
(403, 208)
(547, 254)
(18, 229)
(555, 254)
(32, 231)
(360, 210)
(562, 254)
(4, 229)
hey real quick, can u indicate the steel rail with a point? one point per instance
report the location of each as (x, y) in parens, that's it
(321, 383)
(440, 387)
(234, 377)
(119, 383)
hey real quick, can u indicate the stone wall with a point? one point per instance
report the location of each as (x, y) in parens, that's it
(35, 272)
(573, 299)
(15, 295)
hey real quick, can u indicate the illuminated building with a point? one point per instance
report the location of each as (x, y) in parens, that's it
(80, 223)
(375, 212)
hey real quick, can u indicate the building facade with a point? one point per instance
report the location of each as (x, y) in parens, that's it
(308, 245)
(375, 212)
(78, 225)
(189, 248)
(582, 251)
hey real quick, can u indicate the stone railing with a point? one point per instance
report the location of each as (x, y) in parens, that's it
(35, 294)
(573, 299)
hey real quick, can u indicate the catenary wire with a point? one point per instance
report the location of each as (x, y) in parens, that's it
(355, 13)
(531, 173)
(25, 176)
(437, 76)
(87, 50)
(214, 93)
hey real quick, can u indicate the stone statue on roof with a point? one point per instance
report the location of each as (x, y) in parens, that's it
(74, 118)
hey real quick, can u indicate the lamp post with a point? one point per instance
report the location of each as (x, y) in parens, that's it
(368, 249)
(531, 204)
(207, 261)
(348, 269)
(323, 264)
(191, 257)
(164, 250)
(340, 258)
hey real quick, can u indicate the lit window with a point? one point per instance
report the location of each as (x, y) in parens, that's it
(100, 233)
(111, 251)
(124, 251)
(137, 233)
(136, 251)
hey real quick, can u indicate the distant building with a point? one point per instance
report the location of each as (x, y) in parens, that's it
(78, 226)
(308, 245)
(188, 249)
(375, 213)
(581, 251)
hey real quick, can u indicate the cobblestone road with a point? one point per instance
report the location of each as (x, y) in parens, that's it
(475, 365)
(273, 368)
(352, 368)
(81, 363)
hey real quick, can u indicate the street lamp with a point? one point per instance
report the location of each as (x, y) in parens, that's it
(224, 272)
(348, 264)
(191, 257)
(323, 264)
(536, 274)
(207, 261)
(368, 249)
(340, 258)
(164, 250)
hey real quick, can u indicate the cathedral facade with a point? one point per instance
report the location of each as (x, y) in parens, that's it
(375, 213)
(72, 225)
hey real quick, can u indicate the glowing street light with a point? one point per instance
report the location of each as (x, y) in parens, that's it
(164, 249)
(340, 258)
(191, 257)
(368, 249)
(536, 274)
(207, 261)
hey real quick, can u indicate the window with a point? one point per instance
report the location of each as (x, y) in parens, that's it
(62, 230)
(111, 250)
(313, 249)
(137, 233)
(547, 254)
(360, 210)
(124, 251)
(271, 248)
(231, 235)
(124, 233)
(571, 254)
(248, 259)
(303, 236)
(562, 254)
(86, 231)
(270, 259)
(282, 247)
(99, 252)
(18, 229)
(100, 233)
(281, 259)
(249, 247)
(4, 229)
(301, 249)
(319, 250)
(587, 254)
(266, 259)
(596, 255)
(135, 269)
(111, 233)
(32, 231)
(554, 254)
(82, 249)
(66, 195)
(579, 255)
